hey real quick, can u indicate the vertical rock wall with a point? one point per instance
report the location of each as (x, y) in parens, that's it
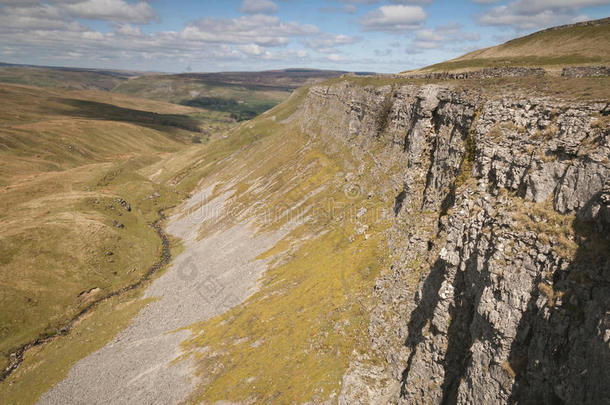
(500, 288)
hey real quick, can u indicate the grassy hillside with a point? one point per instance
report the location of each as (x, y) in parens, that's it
(292, 341)
(575, 44)
(75, 206)
(70, 265)
(242, 94)
(242, 101)
(317, 301)
(75, 79)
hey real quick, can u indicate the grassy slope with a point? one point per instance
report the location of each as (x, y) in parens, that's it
(174, 175)
(240, 95)
(292, 341)
(60, 78)
(182, 89)
(66, 158)
(566, 45)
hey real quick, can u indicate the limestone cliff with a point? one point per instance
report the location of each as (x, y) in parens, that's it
(499, 290)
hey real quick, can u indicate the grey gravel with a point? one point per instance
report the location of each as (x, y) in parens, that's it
(210, 276)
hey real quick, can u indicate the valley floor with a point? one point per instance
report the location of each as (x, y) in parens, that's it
(141, 365)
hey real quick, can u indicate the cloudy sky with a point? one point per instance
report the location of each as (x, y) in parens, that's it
(207, 35)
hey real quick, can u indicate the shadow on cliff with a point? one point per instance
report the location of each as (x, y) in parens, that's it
(461, 316)
(559, 355)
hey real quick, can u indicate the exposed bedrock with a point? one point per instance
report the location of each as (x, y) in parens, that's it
(500, 287)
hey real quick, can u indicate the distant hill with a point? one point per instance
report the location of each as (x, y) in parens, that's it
(62, 78)
(243, 95)
(285, 79)
(583, 43)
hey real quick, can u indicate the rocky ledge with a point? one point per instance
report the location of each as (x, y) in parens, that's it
(500, 287)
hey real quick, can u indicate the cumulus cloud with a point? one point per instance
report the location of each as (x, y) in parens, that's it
(328, 43)
(360, 1)
(346, 8)
(258, 29)
(530, 14)
(39, 17)
(394, 19)
(20, 2)
(411, 1)
(51, 33)
(441, 36)
(536, 6)
(383, 52)
(128, 30)
(111, 10)
(258, 7)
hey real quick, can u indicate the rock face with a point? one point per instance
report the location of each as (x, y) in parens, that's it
(500, 287)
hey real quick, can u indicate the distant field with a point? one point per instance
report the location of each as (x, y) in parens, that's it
(577, 44)
(240, 101)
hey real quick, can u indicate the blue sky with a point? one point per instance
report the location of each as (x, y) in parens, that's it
(204, 36)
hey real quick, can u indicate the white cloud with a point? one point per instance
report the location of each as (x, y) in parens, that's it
(333, 57)
(346, 8)
(258, 29)
(111, 10)
(327, 43)
(38, 17)
(258, 7)
(391, 1)
(411, 1)
(253, 49)
(383, 52)
(360, 1)
(536, 6)
(21, 3)
(531, 14)
(50, 34)
(128, 30)
(394, 19)
(440, 36)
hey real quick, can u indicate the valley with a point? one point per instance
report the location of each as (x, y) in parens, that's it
(313, 237)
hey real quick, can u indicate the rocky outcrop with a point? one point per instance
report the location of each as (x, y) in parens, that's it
(500, 287)
(487, 73)
(586, 71)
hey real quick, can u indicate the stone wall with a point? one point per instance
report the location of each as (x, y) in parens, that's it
(483, 73)
(586, 71)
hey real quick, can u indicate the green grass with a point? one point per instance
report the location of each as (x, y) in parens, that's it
(67, 158)
(46, 365)
(240, 100)
(561, 46)
(565, 88)
(292, 340)
(532, 61)
(61, 79)
(240, 111)
(59, 225)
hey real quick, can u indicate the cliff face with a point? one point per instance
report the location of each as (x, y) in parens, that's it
(499, 290)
